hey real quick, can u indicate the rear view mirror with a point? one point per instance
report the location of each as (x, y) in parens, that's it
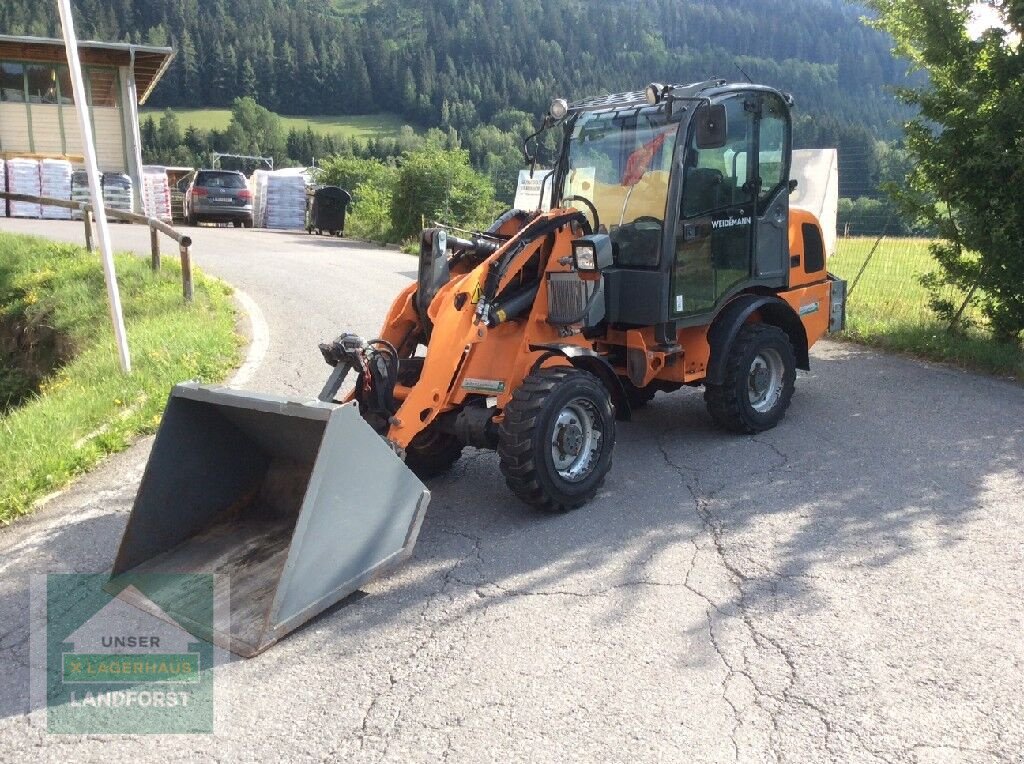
(712, 127)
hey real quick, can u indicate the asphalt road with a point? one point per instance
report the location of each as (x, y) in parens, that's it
(846, 587)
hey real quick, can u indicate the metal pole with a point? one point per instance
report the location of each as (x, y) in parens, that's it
(154, 247)
(95, 193)
(967, 300)
(864, 265)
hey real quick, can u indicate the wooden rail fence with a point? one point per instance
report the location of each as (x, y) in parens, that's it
(155, 227)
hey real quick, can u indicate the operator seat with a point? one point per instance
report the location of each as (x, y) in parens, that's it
(703, 191)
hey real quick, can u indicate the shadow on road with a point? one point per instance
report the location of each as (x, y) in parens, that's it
(877, 457)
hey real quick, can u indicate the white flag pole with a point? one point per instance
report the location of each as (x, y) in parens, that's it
(95, 192)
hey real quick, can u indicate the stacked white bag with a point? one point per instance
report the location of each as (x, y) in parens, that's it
(23, 178)
(3, 187)
(55, 182)
(117, 191)
(79, 190)
(286, 201)
(259, 198)
(156, 193)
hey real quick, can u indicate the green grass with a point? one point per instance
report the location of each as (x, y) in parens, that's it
(889, 308)
(358, 125)
(88, 409)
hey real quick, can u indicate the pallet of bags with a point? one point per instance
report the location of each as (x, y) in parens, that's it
(3, 187)
(286, 201)
(79, 190)
(258, 187)
(55, 182)
(156, 193)
(23, 178)
(117, 191)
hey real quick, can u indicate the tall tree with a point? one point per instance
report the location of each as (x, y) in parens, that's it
(968, 147)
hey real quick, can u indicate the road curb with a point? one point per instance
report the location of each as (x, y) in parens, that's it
(259, 340)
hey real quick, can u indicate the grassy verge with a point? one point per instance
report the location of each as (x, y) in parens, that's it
(889, 309)
(341, 126)
(87, 408)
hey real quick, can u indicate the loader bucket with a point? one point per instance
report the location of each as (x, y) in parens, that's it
(297, 503)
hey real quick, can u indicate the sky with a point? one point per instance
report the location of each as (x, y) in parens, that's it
(985, 16)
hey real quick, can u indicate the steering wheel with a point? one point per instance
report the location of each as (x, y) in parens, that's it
(589, 205)
(647, 219)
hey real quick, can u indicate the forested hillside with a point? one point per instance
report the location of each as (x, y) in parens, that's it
(458, 62)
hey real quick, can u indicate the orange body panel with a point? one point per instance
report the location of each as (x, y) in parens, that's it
(797, 275)
(812, 305)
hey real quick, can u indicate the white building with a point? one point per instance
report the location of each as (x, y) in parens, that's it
(37, 106)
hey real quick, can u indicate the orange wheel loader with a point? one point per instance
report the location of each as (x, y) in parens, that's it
(665, 254)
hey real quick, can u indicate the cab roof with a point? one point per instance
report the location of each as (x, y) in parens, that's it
(638, 98)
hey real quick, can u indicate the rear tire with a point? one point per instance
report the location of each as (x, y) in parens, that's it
(555, 444)
(760, 373)
(638, 397)
(432, 453)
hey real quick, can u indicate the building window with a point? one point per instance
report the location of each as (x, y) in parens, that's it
(42, 83)
(12, 82)
(64, 89)
(102, 86)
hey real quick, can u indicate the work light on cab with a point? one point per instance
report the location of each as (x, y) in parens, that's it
(592, 253)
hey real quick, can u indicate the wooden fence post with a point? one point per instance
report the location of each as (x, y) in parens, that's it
(186, 269)
(87, 217)
(154, 246)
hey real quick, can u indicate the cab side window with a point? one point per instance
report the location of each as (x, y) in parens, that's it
(717, 177)
(773, 169)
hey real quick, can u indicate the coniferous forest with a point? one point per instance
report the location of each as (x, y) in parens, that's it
(459, 62)
(483, 71)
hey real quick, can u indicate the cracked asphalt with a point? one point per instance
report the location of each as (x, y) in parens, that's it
(846, 587)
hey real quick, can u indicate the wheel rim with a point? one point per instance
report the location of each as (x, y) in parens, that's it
(576, 440)
(764, 380)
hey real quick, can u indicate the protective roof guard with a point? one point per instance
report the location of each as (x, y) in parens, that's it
(638, 98)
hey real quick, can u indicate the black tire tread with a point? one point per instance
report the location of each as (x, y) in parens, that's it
(638, 397)
(722, 400)
(516, 440)
(435, 459)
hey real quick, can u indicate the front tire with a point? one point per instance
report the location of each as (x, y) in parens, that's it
(760, 374)
(555, 443)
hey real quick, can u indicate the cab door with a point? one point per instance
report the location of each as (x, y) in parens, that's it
(714, 238)
(771, 235)
(733, 209)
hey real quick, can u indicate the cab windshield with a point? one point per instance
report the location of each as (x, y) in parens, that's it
(621, 161)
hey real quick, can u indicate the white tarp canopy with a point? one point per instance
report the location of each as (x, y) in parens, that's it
(817, 174)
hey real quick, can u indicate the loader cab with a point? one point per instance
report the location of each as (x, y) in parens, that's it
(693, 192)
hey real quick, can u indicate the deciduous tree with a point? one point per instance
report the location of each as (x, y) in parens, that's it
(968, 148)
